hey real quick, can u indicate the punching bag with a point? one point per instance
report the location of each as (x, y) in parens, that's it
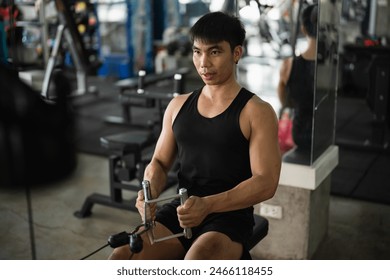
(36, 137)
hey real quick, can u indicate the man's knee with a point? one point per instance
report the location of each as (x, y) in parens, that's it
(214, 245)
(121, 253)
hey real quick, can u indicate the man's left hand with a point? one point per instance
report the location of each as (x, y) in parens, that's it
(192, 212)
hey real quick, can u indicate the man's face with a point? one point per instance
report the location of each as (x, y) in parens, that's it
(215, 63)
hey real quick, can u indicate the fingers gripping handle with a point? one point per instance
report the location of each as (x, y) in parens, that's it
(183, 197)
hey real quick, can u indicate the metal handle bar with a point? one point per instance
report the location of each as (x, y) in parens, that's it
(183, 195)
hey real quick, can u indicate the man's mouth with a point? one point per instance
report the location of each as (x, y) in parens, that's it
(206, 73)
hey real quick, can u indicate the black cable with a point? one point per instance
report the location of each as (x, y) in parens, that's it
(94, 252)
(121, 239)
(31, 223)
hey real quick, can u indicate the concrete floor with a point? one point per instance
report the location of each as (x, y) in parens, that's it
(357, 229)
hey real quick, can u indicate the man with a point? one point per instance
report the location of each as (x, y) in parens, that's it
(226, 141)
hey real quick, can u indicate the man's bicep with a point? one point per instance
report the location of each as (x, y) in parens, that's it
(264, 145)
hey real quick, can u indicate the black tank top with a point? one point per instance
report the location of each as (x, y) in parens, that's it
(300, 88)
(213, 153)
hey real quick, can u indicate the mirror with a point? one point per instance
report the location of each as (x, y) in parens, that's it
(325, 78)
(284, 40)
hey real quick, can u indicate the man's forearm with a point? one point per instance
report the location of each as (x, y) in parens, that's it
(246, 194)
(157, 176)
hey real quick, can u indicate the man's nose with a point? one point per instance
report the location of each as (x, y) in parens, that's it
(204, 61)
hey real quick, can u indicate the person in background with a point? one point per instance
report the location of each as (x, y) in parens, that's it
(296, 83)
(225, 139)
(9, 14)
(3, 42)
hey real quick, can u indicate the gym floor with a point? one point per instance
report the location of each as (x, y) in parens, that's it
(357, 229)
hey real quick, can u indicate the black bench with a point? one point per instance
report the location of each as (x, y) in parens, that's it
(143, 81)
(260, 230)
(126, 164)
(133, 93)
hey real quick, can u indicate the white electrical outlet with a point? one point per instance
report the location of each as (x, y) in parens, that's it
(271, 211)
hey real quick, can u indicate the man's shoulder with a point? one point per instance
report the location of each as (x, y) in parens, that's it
(177, 103)
(256, 105)
(180, 99)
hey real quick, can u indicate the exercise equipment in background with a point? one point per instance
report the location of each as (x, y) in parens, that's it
(84, 65)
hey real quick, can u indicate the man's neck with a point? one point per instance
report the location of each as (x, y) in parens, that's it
(222, 92)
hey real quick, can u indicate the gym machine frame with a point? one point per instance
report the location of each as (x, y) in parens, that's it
(68, 29)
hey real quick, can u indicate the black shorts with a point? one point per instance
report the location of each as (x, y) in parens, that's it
(237, 225)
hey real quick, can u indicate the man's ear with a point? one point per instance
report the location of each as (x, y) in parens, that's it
(237, 53)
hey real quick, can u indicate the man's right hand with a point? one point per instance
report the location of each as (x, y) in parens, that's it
(140, 205)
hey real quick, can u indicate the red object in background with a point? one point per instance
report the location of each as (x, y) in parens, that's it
(286, 141)
(370, 42)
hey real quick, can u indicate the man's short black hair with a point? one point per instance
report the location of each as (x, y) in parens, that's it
(309, 19)
(217, 27)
